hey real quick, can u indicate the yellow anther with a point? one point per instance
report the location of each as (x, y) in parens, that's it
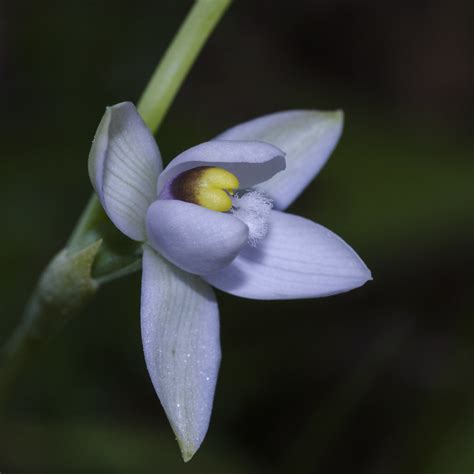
(214, 186)
(207, 186)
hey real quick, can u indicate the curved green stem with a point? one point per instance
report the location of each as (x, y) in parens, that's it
(178, 60)
(74, 275)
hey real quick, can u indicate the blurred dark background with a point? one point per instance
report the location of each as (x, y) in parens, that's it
(378, 380)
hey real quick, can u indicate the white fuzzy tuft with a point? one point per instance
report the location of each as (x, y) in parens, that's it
(253, 208)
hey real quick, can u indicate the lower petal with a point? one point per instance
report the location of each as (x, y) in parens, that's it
(180, 331)
(297, 259)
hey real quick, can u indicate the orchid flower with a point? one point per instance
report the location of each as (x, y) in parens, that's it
(214, 217)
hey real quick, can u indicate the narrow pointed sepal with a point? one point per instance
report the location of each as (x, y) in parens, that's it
(180, 332)
(306, 136)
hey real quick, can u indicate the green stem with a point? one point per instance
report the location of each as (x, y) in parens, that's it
(177, 61)
(67, 283)
(92, 213)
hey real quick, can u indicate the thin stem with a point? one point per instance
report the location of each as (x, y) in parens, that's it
(177, 61)
(91, 214)
(67, 285)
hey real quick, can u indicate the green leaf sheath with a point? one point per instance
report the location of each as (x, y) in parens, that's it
(63, 289)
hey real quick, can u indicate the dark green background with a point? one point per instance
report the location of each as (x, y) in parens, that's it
(378, 380)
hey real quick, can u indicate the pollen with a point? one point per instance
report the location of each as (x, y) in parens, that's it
(208, 186)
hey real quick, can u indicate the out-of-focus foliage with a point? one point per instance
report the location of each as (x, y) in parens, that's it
(377, 380)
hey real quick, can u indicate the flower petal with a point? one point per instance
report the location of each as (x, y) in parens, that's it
(180, 332)
(194, 238)
(306, 136)
(297, 259)
(124, 163)
(251, 162)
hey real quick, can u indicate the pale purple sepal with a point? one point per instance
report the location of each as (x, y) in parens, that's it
(251, 162)
(180, 331)
(307, 137)
(124, 164)
(194, 238)
(297, 259)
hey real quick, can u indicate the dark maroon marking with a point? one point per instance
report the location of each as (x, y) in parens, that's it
(184, 186)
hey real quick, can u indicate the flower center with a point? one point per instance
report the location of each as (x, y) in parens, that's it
(207, 186)
(214, 188)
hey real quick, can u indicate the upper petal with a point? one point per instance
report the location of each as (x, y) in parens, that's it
(194, 238)
(297, 259)
(180, 332)
(251, 162)
(124, 163)
(306, 136)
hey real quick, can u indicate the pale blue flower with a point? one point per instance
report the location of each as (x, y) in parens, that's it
(249, 249)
